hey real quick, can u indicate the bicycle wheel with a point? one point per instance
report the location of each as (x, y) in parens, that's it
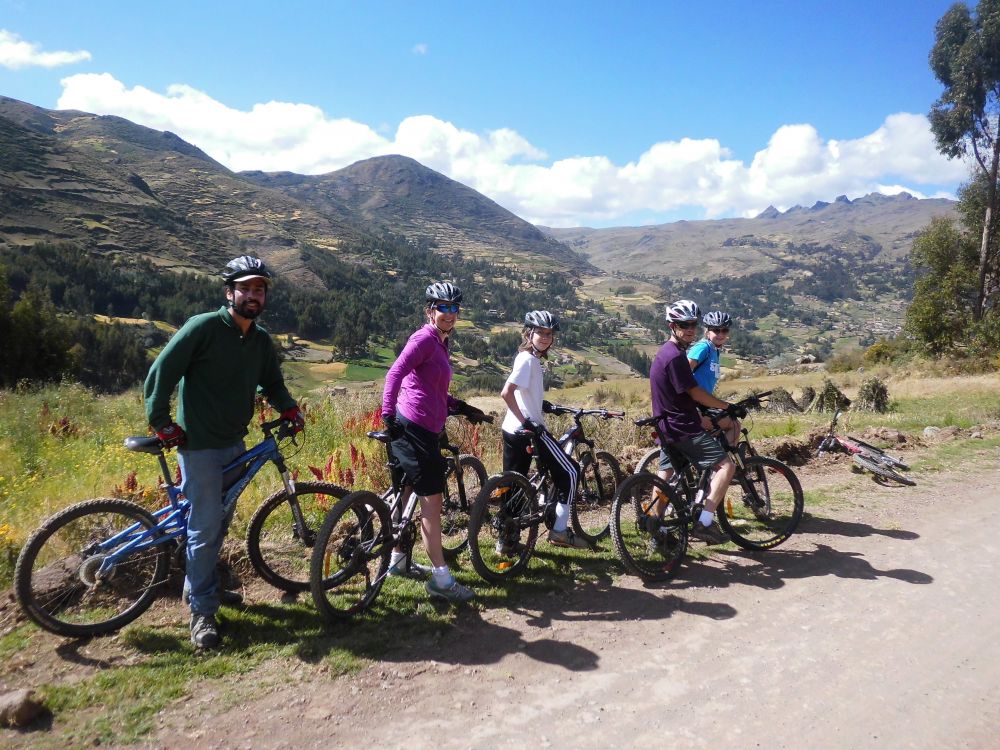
(881, 470)
(351, 557)
(503, 527)
(763, 505)
(881, 456)
(600, 476)
(649, 463)
(458, 500)
(59, 581)
(651, 544)
(278, 549)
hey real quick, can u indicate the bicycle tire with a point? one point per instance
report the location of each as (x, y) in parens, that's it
(279, 551)
(52, 572)
(881, 470)
(652, 552)
(455, 508)
(882, 455)
(649, 463)
(502, 536)
(351, 557)
(763, 506)
(590, 513)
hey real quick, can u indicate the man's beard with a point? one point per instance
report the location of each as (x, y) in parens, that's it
(243, 310)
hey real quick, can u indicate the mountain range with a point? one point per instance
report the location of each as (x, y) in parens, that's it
(111, 185)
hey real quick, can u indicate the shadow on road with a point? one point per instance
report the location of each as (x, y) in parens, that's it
(834, 527)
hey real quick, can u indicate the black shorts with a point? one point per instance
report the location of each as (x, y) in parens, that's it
(418, 452)
(703, 450)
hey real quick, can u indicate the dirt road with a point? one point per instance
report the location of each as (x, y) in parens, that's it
(877, 626)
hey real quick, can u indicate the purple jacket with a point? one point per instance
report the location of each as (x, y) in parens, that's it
(416, 385)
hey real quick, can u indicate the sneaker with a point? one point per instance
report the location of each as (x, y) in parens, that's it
(415, 570)
(204, 631)
(453, 592)
(507, 549)
(567, 539)
(227, 597)
(709, 534)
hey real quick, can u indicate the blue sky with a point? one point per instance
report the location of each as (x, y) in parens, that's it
(567, 113)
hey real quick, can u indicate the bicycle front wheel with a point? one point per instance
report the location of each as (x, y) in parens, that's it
(649, 463)
(279, 547)
(763, 505)
(91, 569)
(649, 529)
(881, 470)
(503, 527)
(600, 476)
(351, 556)
(461, 492)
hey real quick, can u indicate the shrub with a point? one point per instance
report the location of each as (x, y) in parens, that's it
(873, 396)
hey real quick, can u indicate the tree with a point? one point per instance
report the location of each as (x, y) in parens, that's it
(966, 60)
(944, 293)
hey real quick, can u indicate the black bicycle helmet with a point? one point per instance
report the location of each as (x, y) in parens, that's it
(683, 310)
(717, 319)
(541, 319)
(443, 291)
(246, 267)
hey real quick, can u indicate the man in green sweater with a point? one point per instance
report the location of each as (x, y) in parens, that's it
(219, 359)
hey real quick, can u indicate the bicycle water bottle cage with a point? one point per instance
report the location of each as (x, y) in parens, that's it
(143, 444)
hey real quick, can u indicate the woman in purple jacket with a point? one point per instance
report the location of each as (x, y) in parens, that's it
(415, 405)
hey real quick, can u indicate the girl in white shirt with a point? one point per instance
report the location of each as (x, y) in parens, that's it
(523, 393)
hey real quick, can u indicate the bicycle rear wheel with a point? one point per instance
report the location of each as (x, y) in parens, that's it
(457, 503)
(502, 530)
(590, 513)
(763, 505)
(881, 470)
(649, 528)
(59, 581)
(279, 550)
(649, 463)
(351, 556)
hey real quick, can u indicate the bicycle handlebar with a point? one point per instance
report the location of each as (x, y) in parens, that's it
(752, 401)
(577, 413)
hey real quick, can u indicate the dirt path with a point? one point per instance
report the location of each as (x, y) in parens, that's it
(875, 627)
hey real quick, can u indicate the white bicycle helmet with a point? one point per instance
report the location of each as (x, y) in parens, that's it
(717, 319)
(541, 319)
(683, 310)
(443, 291)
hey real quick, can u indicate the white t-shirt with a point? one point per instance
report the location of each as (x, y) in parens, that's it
(527, 376)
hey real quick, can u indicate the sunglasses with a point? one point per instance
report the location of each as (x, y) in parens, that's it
(719, 330)
(447, 307)
(687, 325)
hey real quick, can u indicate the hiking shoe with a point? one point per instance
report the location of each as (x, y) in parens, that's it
(204, 631)
(567, 539)
(227, 597)
(709, 534)
(415, 570)
(453, 592)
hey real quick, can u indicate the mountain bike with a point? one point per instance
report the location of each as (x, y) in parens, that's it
(600, 473)
(350, 560)
(650, 461)
(651, 517)
(97, 565)
(865, 455)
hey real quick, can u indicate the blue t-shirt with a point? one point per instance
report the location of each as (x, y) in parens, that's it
(708, 371)
(670, 379)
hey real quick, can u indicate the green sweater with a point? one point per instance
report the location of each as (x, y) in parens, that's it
(219, 370)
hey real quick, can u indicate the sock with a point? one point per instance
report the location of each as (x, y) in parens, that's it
(442, 576)
(395, 559)
(562, 517)
(706, 518)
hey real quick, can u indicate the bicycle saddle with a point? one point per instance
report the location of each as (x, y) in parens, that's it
(381, 435)
(143, 444)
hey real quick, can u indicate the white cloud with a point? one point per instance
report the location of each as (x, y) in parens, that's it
(697, 177)
(16, 53)
(420, 49)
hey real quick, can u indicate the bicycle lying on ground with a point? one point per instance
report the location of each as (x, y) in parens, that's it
(651, 517)
(503, 526)
(353, 548)
(97, 565)
(865, 455)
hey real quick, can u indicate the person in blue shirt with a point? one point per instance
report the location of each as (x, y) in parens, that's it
(703, 357)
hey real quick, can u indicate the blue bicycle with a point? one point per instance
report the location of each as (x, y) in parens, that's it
(99, 564)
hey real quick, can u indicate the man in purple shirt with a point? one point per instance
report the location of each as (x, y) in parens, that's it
(415, 405)
(675, 395)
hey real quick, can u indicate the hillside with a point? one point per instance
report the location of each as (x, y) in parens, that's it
(874, 227)
(400, 195)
